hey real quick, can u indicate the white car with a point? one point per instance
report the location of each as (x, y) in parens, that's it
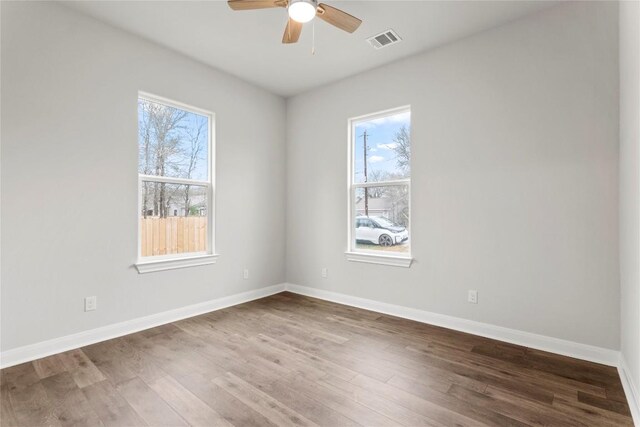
(379, 231)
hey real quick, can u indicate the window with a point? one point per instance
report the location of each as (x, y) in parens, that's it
(175, 185)
(380, 188)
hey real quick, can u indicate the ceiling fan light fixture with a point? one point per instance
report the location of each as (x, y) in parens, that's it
(302, 10)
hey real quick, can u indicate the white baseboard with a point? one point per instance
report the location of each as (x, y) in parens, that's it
(69, 342)
(630, 390)
(527, 339)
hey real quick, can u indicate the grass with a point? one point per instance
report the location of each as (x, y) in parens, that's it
(401, 248)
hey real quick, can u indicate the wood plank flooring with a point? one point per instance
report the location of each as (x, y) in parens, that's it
(292, 360)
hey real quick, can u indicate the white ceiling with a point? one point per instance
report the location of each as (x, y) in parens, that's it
(247, 43)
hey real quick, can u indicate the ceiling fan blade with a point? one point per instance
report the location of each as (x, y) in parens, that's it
(338, 18)
(255, 4)
(292, 32)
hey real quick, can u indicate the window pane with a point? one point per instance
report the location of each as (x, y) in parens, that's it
(172, 142)
(382, 218)
(388, 148)
(173, 219)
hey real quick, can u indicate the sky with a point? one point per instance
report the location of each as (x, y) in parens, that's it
(188, 126)
(380, 153)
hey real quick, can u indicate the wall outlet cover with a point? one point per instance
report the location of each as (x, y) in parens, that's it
(472, 296)
(90, 303)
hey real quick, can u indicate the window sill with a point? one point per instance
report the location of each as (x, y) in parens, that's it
(395, 261)
(173, 263)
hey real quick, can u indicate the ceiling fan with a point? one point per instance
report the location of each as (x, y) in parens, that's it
(301, 11)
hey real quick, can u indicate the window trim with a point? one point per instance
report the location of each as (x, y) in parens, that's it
(172, 261)
(368, 256)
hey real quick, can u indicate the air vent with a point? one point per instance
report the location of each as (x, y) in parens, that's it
(383, 39)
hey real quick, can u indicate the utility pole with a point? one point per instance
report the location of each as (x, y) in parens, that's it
(366, 190)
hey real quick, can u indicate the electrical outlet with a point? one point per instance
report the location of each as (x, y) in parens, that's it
(324, 272)
(245, 273)
(90, 303)
(472, 296)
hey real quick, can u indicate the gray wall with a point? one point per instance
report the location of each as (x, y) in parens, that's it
(515, 177)
(69, 158)
(630, 185)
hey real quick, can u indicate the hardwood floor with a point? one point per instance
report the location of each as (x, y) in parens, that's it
(293, 360)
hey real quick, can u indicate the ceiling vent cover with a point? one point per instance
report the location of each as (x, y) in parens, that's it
(383, 39)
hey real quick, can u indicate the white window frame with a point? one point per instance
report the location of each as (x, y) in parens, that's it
(172, 261)
(368, 256)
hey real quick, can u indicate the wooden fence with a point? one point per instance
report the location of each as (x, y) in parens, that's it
(173, 235)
